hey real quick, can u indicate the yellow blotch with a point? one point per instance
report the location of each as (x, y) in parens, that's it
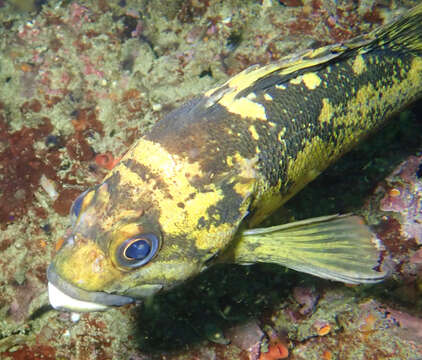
(268, 97)
(366, 99)
(87, 200)
(415, 71)
(359, 65)
(246, 166)
(281, 134)
(127, 176)
(253, 132)
(244, 107)
(359, 109)
(327, 112)
(308, 60)
(229, 161)
(311, 80)
(247, 176)
(251, 96)
(243, 80)
(226, 95)
(297, 80)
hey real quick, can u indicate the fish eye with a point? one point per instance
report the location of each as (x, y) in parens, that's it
(138, 250)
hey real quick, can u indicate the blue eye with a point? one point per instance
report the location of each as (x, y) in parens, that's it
(77, 205)
(138, 250)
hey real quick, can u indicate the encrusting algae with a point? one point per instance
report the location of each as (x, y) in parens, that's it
(190, 192)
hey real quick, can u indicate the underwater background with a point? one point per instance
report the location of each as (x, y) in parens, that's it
(80, 81)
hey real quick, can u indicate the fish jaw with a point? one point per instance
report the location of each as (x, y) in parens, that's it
(61, 301)
(66, 297)
(84, 278)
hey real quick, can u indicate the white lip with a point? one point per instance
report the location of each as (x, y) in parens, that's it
(61, 301)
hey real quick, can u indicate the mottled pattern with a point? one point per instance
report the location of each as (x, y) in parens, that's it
(240, 151)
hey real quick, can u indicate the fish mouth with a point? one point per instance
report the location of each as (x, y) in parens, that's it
(67, 297)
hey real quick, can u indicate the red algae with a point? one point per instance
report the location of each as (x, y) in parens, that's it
(79, 149)
(21, 168)
(86, 119)
(275, 352)
(64, 202)
(36, 352)
(293, 3)
(34, 105)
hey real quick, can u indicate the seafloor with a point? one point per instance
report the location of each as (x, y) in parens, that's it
(81, 80)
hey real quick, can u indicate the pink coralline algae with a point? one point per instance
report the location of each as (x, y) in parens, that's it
(410, 326)
(247, 337)
(404, 196)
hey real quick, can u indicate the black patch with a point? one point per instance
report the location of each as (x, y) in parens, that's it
(234, 40)
(191, 196)
(226, 210)
(201, 223)
(113, 186)
(204, 73)
(146, 175)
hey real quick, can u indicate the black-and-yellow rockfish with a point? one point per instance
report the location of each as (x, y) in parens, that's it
(189, 193)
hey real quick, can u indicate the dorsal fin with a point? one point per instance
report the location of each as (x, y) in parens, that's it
(404, 34)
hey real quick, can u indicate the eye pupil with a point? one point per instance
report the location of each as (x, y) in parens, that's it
(137, 250)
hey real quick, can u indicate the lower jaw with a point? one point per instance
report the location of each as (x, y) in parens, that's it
(67, 297)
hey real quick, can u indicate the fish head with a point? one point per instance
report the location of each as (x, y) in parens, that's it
(134, 236)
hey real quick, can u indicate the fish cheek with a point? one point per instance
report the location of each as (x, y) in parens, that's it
(175, 262)
(84, 264)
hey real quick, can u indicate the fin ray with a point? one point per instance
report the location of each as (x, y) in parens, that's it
(404, 34)
(338, 247)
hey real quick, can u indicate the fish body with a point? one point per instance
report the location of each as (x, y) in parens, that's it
(191, 191)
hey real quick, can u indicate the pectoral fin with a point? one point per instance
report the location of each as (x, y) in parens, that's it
(340, 248)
